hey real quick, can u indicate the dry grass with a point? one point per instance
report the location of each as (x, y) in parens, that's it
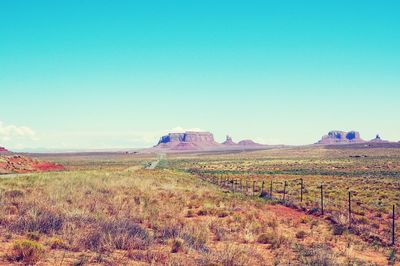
(160, 217)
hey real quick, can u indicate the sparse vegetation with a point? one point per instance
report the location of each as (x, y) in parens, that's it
(113, 211)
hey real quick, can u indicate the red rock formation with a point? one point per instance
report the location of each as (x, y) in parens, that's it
(229, 141)
(341, 137)
(200, 141)
(187, 141)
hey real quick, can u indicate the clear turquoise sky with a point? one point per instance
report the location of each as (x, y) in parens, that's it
(109, 74)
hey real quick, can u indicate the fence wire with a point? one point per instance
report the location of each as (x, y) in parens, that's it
(343, 209)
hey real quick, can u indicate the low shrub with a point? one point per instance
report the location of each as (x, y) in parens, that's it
(26, 251)
(56, 243)
(177, 245)
(317, 255)
(14, 193)
(271, 237)
(116, 234)
(11, 210)
(34, 236)
(195, 237)
(301, 235)
(338, 229)
(43, 221)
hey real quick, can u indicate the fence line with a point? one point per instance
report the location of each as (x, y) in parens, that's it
(321, 205)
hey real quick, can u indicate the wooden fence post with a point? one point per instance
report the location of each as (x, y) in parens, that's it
(322, 199)
(393, 226)
(284, 191)
(270, 190)
(301, 190)
(262, 189)
(349, 209)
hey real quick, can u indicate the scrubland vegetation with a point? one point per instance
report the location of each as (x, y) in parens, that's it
(111, 211)
(370, 175)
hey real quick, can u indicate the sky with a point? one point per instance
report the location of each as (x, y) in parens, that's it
(99, 74)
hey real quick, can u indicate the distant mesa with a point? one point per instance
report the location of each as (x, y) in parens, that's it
(3, 150)
(201, 141)
(352, 137)
(341, 137)
(187, 141)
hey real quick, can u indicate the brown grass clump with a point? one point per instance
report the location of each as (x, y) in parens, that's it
(301, 235)
(177, 245)
(115, 234)
(317, 255)
(231, 255)
(272, 237)
(26, 251)
(42, 220)
(56, 243)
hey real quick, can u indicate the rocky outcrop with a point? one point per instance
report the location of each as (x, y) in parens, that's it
(378, 139)
(341, 137)
(229, 141)
(190, 140)
(3, 150)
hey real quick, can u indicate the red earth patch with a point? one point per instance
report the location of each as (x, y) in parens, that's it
(22, 164)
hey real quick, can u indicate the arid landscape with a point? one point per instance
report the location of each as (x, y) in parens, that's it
(199, 133)
(199, 208)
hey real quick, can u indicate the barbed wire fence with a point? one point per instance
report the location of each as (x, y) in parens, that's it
(345, 212)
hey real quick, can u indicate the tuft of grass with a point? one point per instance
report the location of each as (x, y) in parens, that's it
(301, 235)
(26, 251)
(317, 255)
(34, 236)
(177, 245)
(56, 243)
(272, 237)
(338, 229)
(116, 234)
(39, 220)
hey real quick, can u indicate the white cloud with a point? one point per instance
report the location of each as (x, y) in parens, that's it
(10, 133)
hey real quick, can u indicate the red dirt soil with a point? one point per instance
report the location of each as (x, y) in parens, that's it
(22, 164)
